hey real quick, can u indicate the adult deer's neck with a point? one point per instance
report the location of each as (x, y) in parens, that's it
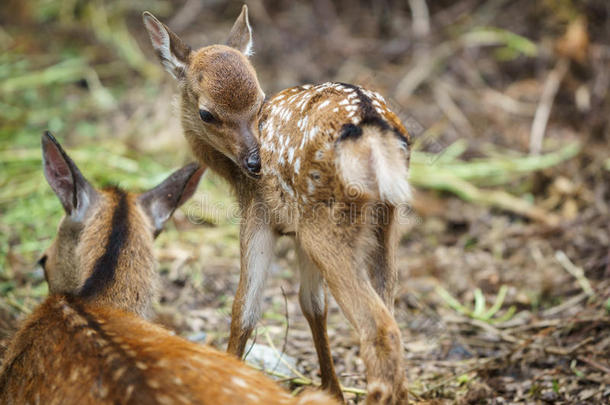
(117, 257)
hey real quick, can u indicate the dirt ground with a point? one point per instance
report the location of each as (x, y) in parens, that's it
(497, 304)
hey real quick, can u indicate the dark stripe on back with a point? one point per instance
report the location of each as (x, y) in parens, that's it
(105, 266)
(370, 116)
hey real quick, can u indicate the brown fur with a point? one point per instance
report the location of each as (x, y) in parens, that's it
(311, 140)
(96, 349)
(73, 352)
(78, 246)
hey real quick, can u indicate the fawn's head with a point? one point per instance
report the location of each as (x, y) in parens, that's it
(221, 96)
(103, 250)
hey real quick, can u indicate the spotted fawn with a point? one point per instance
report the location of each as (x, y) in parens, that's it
(88, 342)
(325, 164)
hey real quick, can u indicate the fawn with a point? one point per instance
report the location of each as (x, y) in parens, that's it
(88, 343)
(326, 164)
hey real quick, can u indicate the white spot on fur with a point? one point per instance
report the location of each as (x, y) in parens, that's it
(302, 123)
(313, 398)
(297, 165)
(323, 104)
(240, 382)
(285, 186)
(311, 188)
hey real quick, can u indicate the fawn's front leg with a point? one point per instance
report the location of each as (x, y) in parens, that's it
(256, 240)
(313, 300)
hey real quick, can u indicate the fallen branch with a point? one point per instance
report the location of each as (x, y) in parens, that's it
(543, 112)
(575, 271)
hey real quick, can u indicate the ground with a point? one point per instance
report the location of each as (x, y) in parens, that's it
(504, 293)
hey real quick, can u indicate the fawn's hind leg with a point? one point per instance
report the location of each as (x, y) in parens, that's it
(381, 267)
(313, 302)
(340, 254)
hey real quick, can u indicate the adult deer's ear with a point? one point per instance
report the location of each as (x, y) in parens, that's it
(73, 190)
(172, 52)
(161, 202)
(240, 36)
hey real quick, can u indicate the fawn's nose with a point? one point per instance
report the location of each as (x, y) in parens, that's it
(253, 163)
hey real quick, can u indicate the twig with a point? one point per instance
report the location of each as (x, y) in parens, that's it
(454, 376)
(307, 381)
(577, 272)
(570, 303)
(287, 328)
(281, 357)
(10, 299)
(252, 345)
(451, 109)
(187, 14)
(595, 364)
(551, 85)
(421, 18)
(569, 350)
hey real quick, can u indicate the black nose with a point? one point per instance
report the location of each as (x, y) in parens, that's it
(253, 163)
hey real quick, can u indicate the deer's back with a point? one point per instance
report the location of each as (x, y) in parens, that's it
(68, 352)
(300, 129)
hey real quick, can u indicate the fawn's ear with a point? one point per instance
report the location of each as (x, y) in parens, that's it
(161, 202)
(66, 180)
(240, 36)
(173, 53)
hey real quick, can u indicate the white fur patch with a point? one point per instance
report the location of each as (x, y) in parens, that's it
(259, 253)
(323, 104)
(384, 176)
(311, 290)
(297, 165)
(392, 175)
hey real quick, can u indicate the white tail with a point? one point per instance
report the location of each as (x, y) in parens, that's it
(375, 165)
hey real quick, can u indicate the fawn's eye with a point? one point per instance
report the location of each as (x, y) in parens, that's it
(206, 116)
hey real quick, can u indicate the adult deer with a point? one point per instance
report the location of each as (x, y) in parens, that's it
(327, 164)
(88, 343)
